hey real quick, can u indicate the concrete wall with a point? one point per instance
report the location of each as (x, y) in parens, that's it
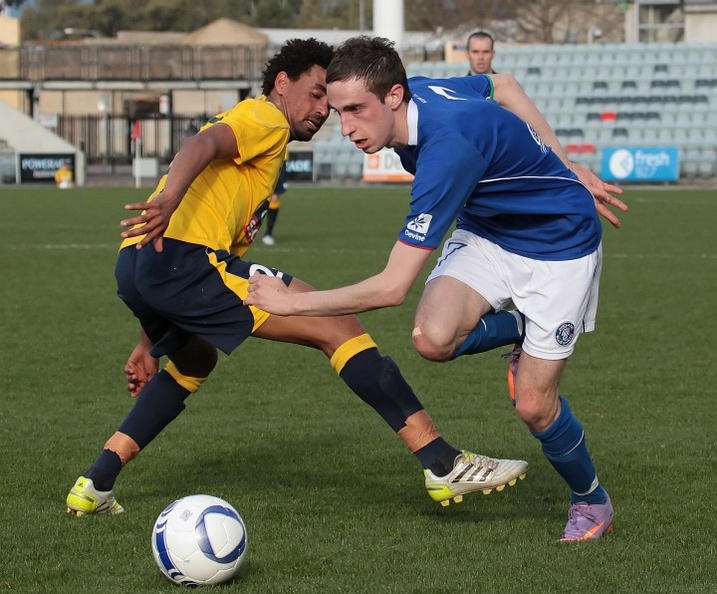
(701, 23)
(10, 36)
(9, 31)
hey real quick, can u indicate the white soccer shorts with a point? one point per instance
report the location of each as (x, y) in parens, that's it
(558, 298)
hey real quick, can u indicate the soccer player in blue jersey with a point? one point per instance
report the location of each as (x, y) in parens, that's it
(182, 272)
(480, 53)
(527, 233)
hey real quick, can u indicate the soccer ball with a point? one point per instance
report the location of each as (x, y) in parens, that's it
(199, 540)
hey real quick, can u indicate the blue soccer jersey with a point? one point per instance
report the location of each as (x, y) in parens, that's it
(477, 163)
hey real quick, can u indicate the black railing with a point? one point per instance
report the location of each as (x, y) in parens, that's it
(132, 63)
(108, 139)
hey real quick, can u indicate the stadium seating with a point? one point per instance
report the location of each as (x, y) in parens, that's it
(335, 157)
(602, 94)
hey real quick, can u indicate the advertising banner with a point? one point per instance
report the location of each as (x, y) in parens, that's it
(41, 168)
(640, 163)
(300, 166)
(384, 166)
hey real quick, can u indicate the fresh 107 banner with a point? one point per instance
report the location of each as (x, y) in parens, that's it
(640, 163)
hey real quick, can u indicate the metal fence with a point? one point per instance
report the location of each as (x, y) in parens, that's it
(36, 63)
(109, 139)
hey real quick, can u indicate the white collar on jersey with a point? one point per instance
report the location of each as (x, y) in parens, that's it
(412, 123)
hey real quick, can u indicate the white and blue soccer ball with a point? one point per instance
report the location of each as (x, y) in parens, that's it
(199, 540)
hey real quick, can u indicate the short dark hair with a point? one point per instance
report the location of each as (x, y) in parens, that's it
(295, 57)
(480, 35)
(373, 60)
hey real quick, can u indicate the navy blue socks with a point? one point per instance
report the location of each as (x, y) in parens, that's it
(494, 330)
(564, 447)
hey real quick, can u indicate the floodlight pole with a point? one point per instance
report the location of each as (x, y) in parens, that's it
(388, 20)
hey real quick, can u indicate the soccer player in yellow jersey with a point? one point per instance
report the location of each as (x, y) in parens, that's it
(181, 271)
(63, 177)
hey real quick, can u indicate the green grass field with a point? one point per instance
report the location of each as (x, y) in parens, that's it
(332, 500)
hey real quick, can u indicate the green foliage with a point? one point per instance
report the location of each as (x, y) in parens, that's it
(50, 18)
(332, 500)
(338, 14)
(45, 19)
(277, 14)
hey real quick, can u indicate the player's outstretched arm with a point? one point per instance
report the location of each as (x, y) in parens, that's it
(216, 142)
(386, 289)
(141, 366)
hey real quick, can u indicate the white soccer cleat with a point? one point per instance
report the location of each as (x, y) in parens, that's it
(84, 499)
(268, 240)
(473, 472)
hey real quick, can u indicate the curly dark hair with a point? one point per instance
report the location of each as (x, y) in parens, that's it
(373, 60)
(296, 57)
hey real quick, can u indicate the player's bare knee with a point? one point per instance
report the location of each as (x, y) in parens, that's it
(429, 349)
(329, 334)
(534, 408)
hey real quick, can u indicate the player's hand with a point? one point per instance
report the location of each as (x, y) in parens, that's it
(603, 193)
(270, 294)
(155, 216)
(139, 369)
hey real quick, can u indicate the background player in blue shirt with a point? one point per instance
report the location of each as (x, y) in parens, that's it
(527, 234)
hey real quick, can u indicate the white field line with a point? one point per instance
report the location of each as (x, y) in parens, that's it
(62, 246)
(294, 250)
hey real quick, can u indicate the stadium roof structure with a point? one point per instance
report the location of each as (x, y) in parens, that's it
(226, 32)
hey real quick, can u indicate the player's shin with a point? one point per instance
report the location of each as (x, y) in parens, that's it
(379, 383)
(565, 448)
(271, 216)
(159, 403)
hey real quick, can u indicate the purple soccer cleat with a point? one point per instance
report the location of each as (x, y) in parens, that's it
(588, 521)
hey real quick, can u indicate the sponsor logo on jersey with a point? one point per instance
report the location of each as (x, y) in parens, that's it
(414, 236)
(252, 228)
(565, 333)
(421, 223)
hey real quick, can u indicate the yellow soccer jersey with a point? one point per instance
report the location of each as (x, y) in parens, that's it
(222, 208)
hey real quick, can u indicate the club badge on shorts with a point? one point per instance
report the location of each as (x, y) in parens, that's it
(565, 333)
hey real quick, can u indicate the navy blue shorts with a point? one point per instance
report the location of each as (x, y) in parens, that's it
(189, 289)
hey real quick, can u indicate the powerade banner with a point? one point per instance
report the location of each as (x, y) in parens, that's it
(40, 168)
(640, 163)
(300, 166)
